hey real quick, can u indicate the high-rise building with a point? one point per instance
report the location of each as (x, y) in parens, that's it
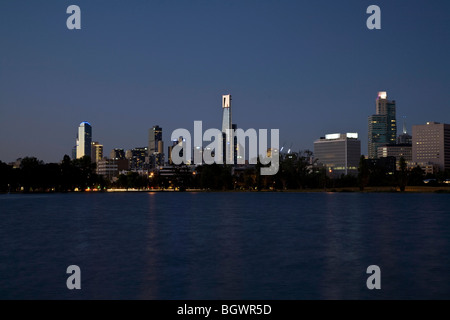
(377, 134)
(431, 144)
(96, 152)
(339, 153)
(117, 154)
(155, 146)
(382, 125)
(84, 140)
(227, 128)
(154, 137)
(136, 157)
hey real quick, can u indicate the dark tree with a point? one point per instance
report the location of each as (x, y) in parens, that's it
(363, 173)
(402, 174)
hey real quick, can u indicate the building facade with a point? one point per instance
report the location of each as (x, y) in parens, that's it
(382, 125)
(155, 147)
(84, 140)
(338, 153)
(117, 154)
(110, 168)
(96, 152)
(431, 144)
(136, 158)
(397, 151)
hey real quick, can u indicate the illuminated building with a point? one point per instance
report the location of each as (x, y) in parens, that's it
(84, 140)
(136, 158)
(155, 147)
(117, 154)
(96, 151)
(227, 128)
(382, 125)
(397, 151)
(431, 144)
(338, 153)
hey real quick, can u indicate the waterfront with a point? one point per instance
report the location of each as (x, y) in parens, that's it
(225, 245)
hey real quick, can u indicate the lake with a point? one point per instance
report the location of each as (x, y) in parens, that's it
(180, 245)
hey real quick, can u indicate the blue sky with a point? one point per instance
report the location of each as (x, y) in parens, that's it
(305, 67)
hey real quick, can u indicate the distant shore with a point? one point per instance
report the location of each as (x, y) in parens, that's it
(413, 189)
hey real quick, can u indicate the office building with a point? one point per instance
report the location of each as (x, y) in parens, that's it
(136, 158)
(338, 153)
(397, 151)
(110, 168)
(382, 125)
(377, 134)
(431, 144)
(117, 154)
(96, 152)
(84, 140)
(155, 147)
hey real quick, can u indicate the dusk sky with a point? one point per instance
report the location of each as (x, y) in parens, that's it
(307, 68)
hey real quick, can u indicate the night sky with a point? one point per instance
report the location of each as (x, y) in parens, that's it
(305, 67)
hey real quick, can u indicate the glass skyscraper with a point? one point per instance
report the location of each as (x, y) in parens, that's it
(84, 140)
(382, 125)
(155, 146)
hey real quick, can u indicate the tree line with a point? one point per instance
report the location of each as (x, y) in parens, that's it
(296, 172)
(34, 175)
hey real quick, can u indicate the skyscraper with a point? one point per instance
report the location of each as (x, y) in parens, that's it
(227, 129)
(96, 152)
(84, 140)
(155, 146)
(382, 125)
(431, 144)
(377, 134)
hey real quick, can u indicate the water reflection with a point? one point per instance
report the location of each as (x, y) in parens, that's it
(226, 245)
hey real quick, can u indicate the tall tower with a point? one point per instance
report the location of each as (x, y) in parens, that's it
(227, 128)
(96, 152)
(155, 146)
(154, 136)
(84, 140)
(382, 125)
(387, 107)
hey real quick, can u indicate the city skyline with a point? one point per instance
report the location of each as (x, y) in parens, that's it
(305, 69)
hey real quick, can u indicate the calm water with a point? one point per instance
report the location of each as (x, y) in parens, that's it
(225, 245)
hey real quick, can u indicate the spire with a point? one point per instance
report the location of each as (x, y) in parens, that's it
(404, 125)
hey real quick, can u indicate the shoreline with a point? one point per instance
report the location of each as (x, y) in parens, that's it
(413, 189)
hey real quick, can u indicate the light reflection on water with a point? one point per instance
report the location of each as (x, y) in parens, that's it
(225, 245)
